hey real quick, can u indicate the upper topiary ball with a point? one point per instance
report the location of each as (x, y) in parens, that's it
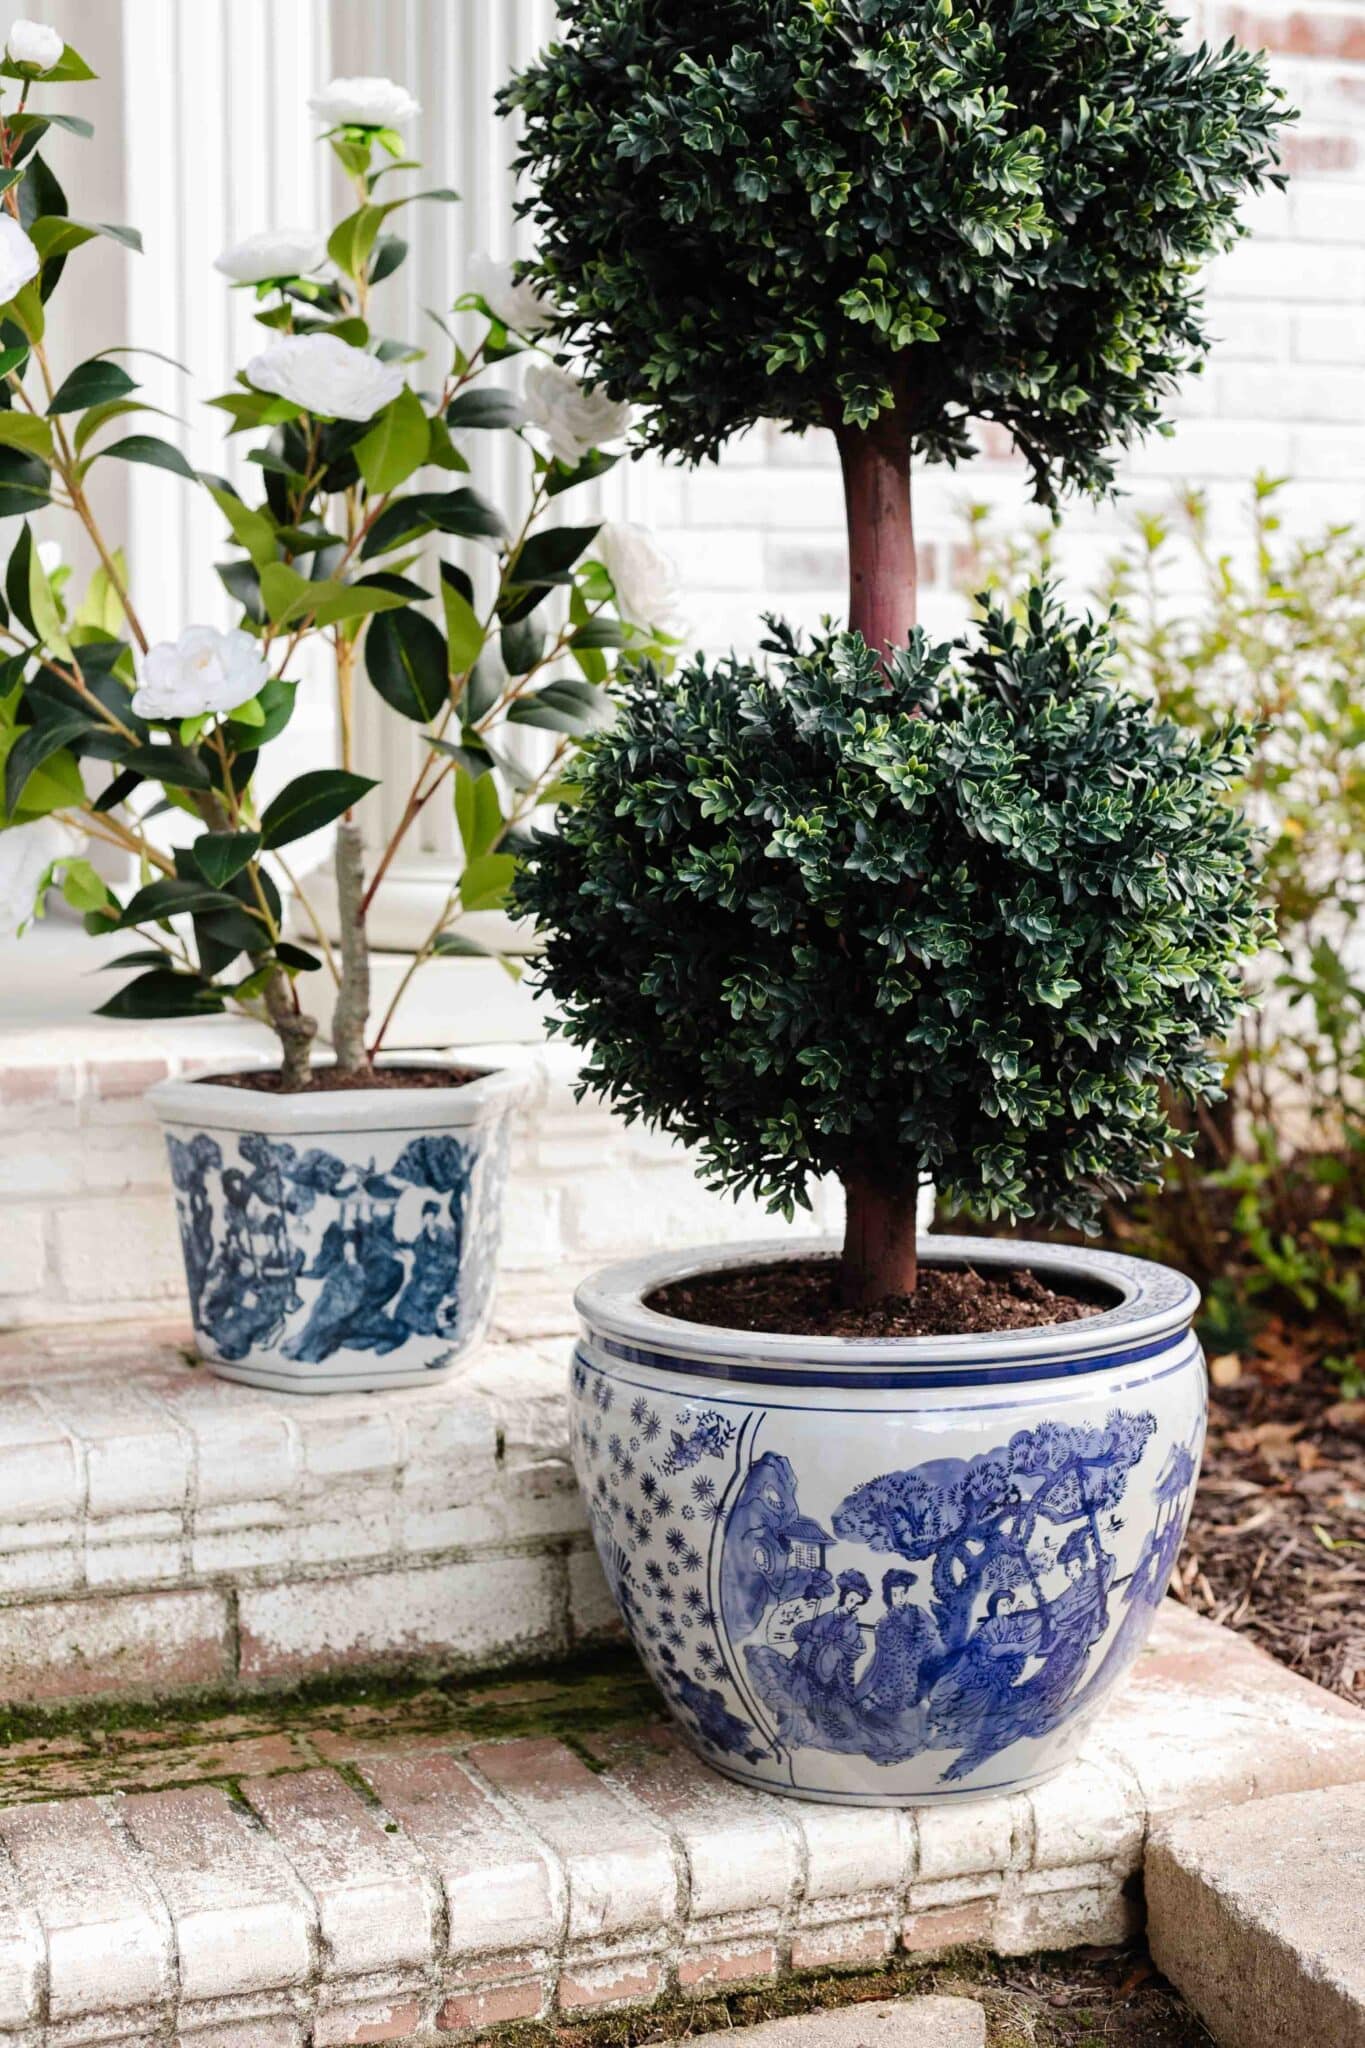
(963, 918)
(818, 210)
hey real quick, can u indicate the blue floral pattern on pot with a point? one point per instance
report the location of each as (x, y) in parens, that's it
(356, 1260)
(895, 1594)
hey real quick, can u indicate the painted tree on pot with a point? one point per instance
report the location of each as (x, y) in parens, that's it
(894, 218)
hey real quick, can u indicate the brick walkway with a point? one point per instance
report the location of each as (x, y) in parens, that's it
(375, 1875)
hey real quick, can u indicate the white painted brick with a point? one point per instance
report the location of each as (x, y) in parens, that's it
(242, 1920)
(593, 1611)
(1326, 213)
(1086, 1813)
(962, 1837)
(852, 1851)
(136, 1459)
(242, 1550)
(23, 1953)
(108, 1935)
(1330, 334)
(376, 1911)
(23, 1249)
(146, 1563)
(1333, 452)
(620, 1870)
(504, 1890)
(124, 1250)
(340, 1437)
(452, 1613)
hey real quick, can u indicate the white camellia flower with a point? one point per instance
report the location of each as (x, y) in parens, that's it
(33, 42)
(644, 577)
(204, 670)
(26, 854)
(575, 419)
(520, 306)
(278, 252)
(326, 375)
(50, 556)
(19, 259)
(364, 103)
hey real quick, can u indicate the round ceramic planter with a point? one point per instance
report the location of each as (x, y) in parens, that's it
(893, 1570)
(339, 1240)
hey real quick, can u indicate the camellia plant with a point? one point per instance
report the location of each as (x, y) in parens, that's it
(359, 443)
(893, 911)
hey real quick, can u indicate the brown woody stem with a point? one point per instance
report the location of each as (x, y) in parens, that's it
(882, 574)
(880, 1256)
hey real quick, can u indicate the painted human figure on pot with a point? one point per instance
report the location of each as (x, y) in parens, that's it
(318, 1254)
(990, 1642)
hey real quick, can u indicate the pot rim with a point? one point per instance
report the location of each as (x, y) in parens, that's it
(206, 1105)
(1155, 1303)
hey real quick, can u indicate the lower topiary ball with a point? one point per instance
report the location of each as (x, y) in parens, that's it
(967, 916)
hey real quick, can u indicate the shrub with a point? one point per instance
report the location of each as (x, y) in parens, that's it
(965, 914)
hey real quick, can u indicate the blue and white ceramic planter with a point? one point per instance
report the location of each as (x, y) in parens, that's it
(886, 1571)
(339, 1240)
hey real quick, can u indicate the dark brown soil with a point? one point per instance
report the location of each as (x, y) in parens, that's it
(799, 1298)
(328, 1081)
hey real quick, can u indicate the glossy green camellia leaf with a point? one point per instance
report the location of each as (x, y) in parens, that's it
(162, 992)
(485, 408)
(83, 887)
(352, 239)
(478, 811)
(173, 896)
(485, 883)
(252, 530)
(96, 382)
(566, 706)
(32, 435)
(221, 855)
(151, 449)
(309, 802)
(25, 484)
(396, 444)
(29, 749)
(465, 633)
(408, 663)
(57, 235)
(548, 557)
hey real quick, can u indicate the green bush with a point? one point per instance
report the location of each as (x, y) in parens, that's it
(964, 916)
(825, 210)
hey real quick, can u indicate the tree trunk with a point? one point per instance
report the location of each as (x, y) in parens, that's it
(880, 1255)
(352, 1011)
(294, 1030)
(882, 578)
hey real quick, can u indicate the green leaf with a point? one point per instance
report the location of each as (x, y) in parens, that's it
(25, 484)
(96, 382)
(70, 67)
(522, 644)
(485, 408)
(478, 813)
(47, 620)
(464, 629)
(565, 706)
(254, 531)
(407, 661)
(221, 855)
(559, 477)
(601, 633)
(173, 896)
(22, 430)
(101, 415)
(547, 557)
(56, 235)
(32, 746)
(396, 444)
(163, 993)
(150, 449)
(352, 239)
(275, 700)
(310, 801)
(82, 887)
(344, 601)
(19, 575)
(486, 881)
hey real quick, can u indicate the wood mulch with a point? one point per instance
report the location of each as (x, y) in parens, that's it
(1276, 1546)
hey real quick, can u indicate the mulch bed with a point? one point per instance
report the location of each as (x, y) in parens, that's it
(1277, 1542)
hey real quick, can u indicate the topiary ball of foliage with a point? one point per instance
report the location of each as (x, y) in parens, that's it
(964, 917)
(811, 210)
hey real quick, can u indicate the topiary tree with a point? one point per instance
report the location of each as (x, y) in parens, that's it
(892, 218)
(964, 913)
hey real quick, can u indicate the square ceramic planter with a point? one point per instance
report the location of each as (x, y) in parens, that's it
(341, 1239)
(884, 1571)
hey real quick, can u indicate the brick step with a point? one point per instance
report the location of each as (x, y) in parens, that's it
(883, 2023)
(1258, 1915)
(164, 1532)
(383, 1875)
